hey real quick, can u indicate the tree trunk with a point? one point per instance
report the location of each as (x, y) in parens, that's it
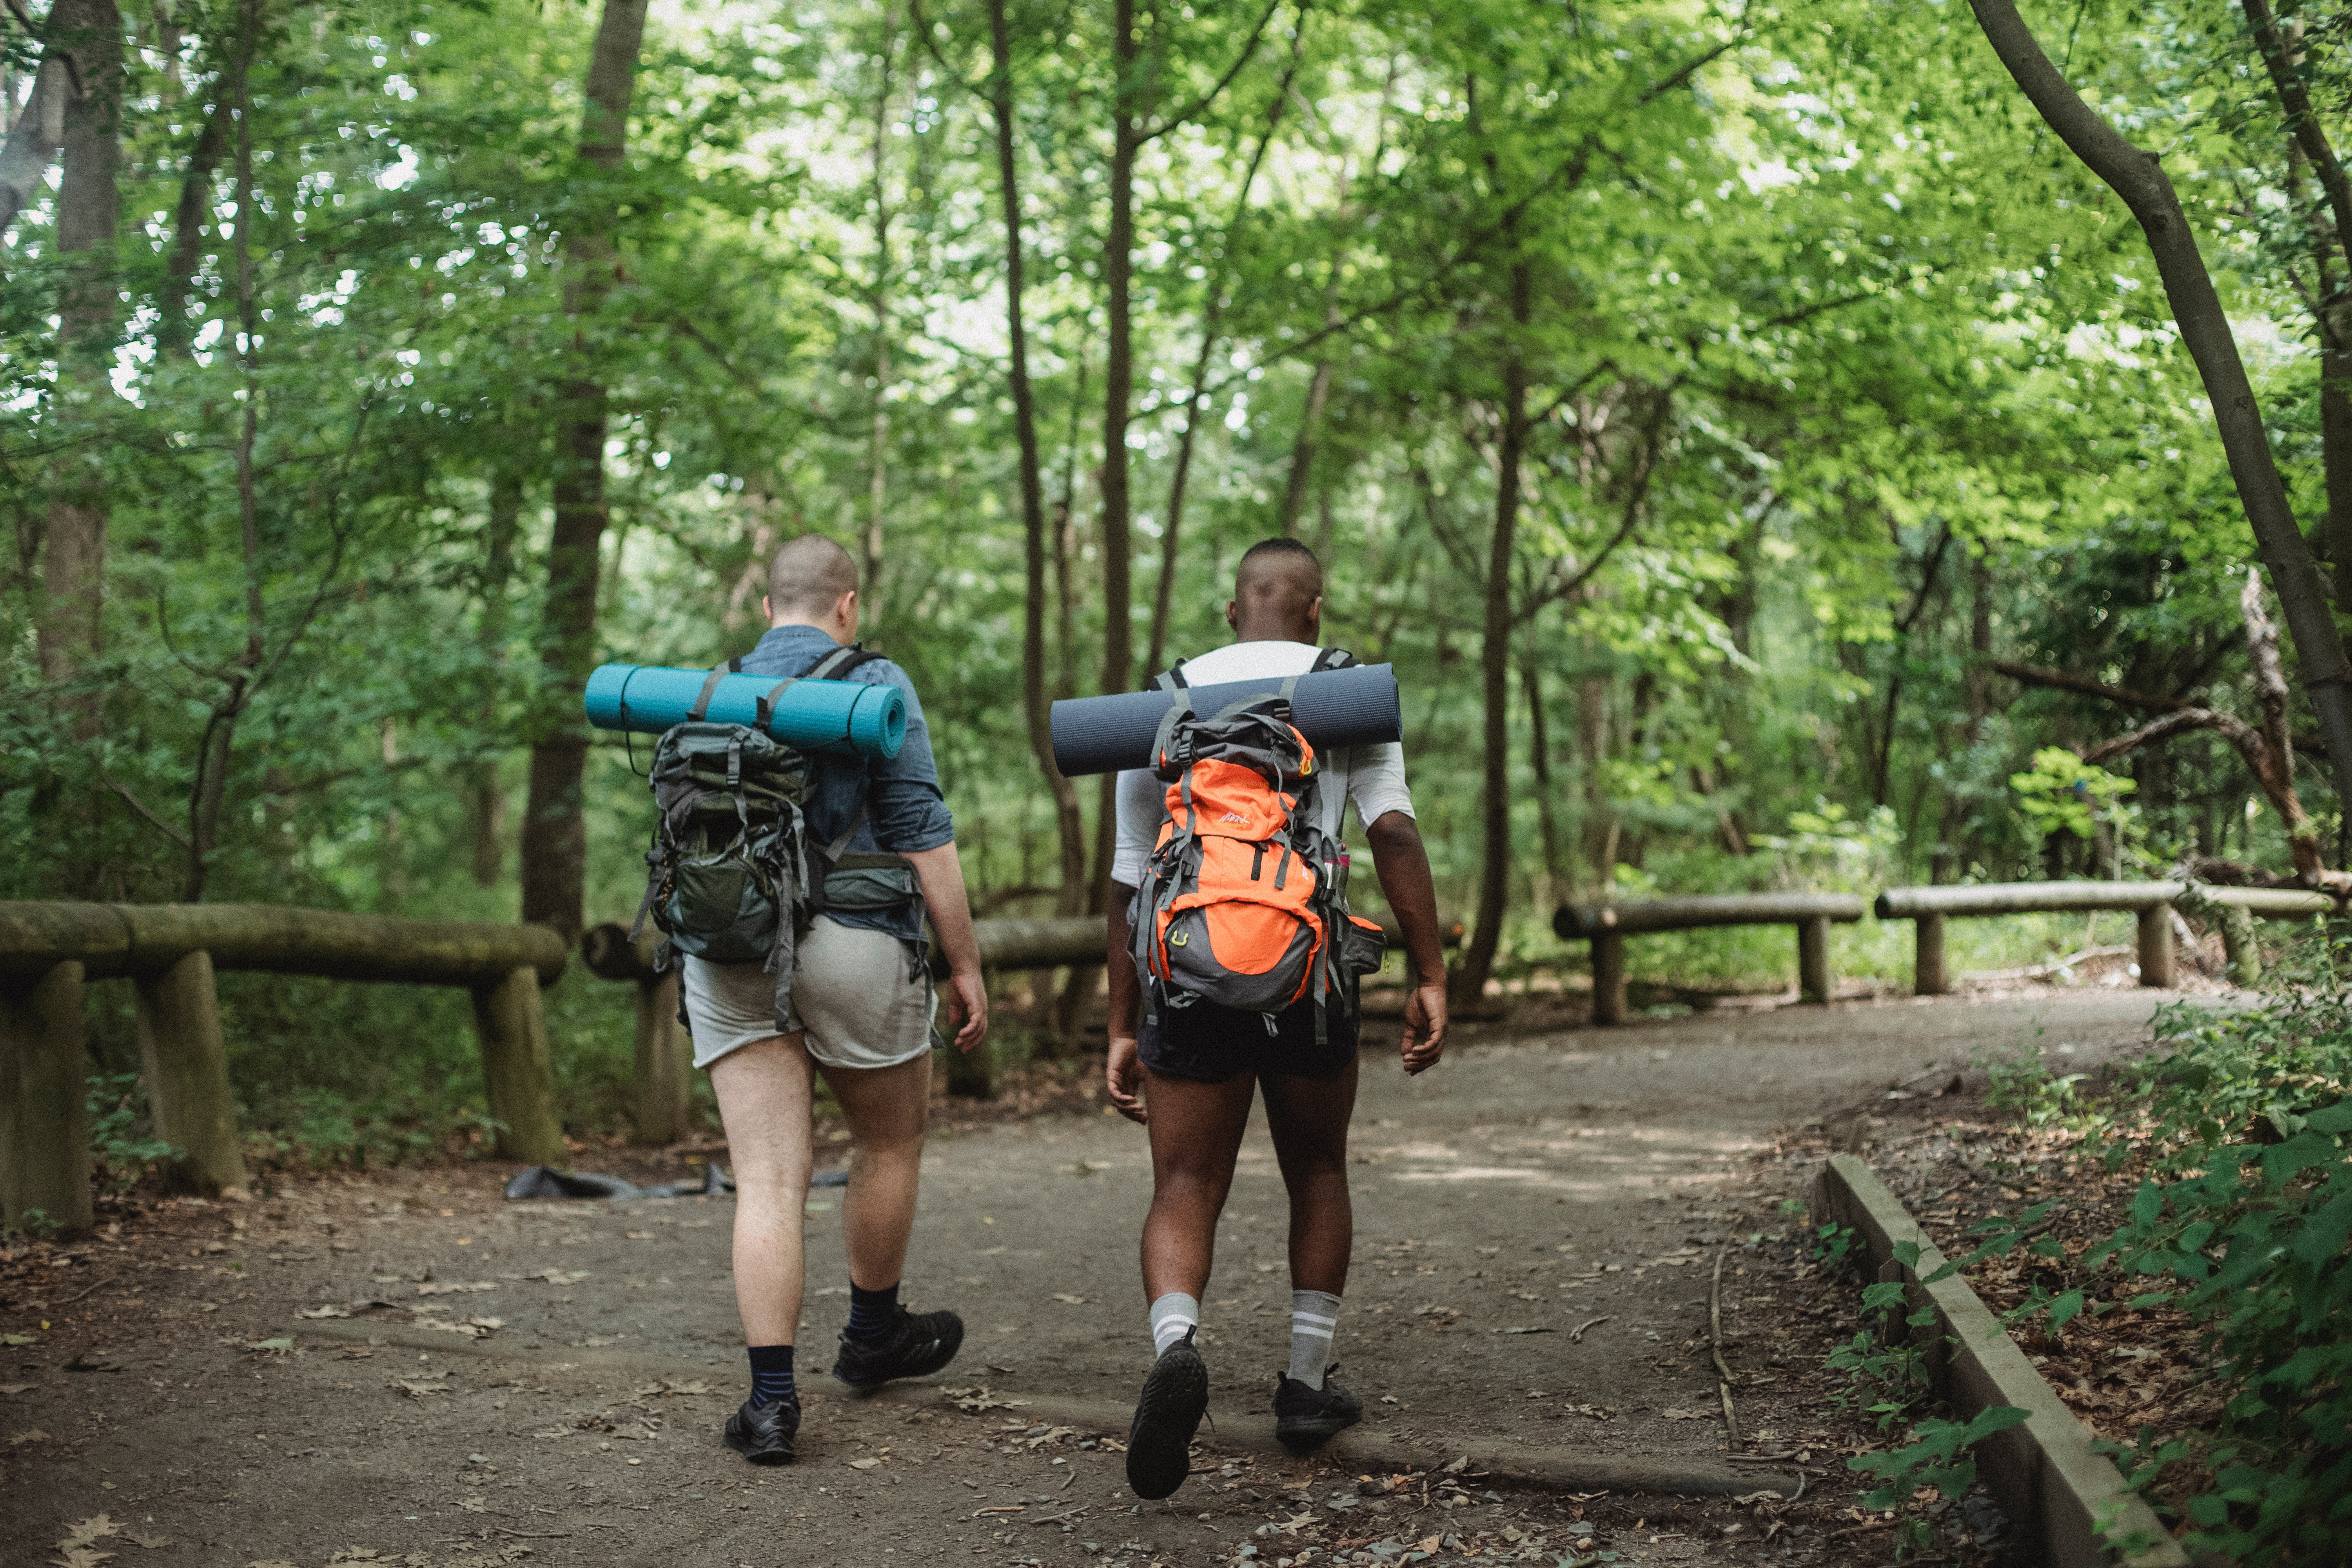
(1495, 655)
(1068, 825)
(40, 129)
(554, 834)
(2137, 177)
(174, 332)
(1119, 378)
(90, 317)
(1555, 861)
(488, 798)
(1302, 450)
(878, 483)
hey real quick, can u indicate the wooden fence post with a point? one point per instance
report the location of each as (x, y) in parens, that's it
(2156, 966)
(43, 1116)
(187, 1075)
(665, 1058)
(1813, 982)
(515, 1070)
(1929, 977)
(1609, 978)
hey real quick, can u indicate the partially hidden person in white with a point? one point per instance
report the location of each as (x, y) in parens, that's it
(862, 1008)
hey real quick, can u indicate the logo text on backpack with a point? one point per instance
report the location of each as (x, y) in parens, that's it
(1234, 816)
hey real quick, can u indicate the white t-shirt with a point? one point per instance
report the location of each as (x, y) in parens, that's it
(1373, 776)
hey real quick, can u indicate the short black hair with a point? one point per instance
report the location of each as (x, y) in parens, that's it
(809, 574)
(1283, 546)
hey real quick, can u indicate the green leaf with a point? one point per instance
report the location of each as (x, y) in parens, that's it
(2148, 1206)
(2064, 1309)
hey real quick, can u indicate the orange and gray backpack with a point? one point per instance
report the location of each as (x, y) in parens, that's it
(1245, 900)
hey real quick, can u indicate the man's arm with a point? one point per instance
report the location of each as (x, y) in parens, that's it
(1403, 867)
(941, 875)
(1123, 1073)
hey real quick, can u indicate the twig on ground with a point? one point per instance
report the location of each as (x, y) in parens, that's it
(100, 1286)
(1715, 1345)
(1058, 1518)
(532, 1534)
(1575, 1335)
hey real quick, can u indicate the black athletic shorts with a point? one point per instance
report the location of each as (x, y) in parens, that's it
(1210, 1043)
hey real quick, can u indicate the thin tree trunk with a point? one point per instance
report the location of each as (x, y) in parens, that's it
(1495, 655)
(489, 798)
(33, 141)
(555, 834)
(1069, 828)
(174, 332)
(2137, 177)
(1555, 862)
(1302, 450)
(878, 484)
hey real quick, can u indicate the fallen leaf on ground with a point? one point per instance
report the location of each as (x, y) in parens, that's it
(415, 1389)
(13, 1388)
(558, 1275)
(636, 1235)
(455, 1286)
(1672, 1415)
(863, 1464)
(80, 1557)
(35, 1436)
(18, 1340)
(278, 1346)
(1073, 1300)
(1534, 1330)
(972, 1401)
(95, 1527)
(330, 1310)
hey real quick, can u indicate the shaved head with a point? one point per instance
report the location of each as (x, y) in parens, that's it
(1277, 591)
(808, 577)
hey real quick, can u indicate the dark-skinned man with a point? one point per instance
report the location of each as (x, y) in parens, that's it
(1190, 1074)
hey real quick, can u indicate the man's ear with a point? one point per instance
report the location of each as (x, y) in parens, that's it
(844, 609)
(1315, 613)
(764, 610)
(1233, 614)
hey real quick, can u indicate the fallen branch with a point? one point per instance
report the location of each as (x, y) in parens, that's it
(1576, 1337)
(2043, 971)
(1715, 1345)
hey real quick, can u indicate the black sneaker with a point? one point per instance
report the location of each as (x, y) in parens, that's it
(1306, 1419)
(765, 1434)
(1160, 1443)
(916, 1346)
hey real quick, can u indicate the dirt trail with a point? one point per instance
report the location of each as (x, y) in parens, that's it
(1534, 1182)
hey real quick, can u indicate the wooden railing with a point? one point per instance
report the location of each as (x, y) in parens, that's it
(1607, 925)
(2151, 902)
(170, 952)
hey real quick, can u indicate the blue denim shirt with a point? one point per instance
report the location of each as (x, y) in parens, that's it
(905, 812)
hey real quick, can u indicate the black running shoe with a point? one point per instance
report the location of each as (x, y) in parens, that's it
(1160, 1443)
(765, 1434)
(916, 1346)
(1306, 1419)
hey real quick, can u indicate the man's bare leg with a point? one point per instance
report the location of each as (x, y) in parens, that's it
(886, 1109)
(1196, 1133)
(763, 1091)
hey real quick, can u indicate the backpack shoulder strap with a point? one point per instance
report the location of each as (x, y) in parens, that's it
(1172, 680)
(840, 662)
(1333, 659)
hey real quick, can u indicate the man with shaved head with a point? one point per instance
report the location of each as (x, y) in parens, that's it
(1190, 1074)
(861, 1015)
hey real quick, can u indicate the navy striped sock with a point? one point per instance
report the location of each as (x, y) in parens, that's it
(871, 1312)
(771, 1374)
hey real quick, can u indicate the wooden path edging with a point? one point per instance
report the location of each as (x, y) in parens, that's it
(1559, 1469)
(2061, 1496)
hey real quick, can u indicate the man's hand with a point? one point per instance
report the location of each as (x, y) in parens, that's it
(967, 1008)
(1424, 1028)
(1123, 1078)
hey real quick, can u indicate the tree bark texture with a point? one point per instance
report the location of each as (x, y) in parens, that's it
(43, 1105)
(2136, 175)
(554, 836)
(41, 130)
(1069, 828)
(89, 320)
(1495, 654)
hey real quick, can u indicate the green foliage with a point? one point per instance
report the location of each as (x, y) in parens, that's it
(2062, 794)
(121, 1132)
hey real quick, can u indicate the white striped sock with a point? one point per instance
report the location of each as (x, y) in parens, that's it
(1172, 1316)
(1313, 1319)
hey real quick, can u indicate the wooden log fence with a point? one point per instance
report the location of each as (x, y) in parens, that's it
(1607, 925)
(2152, 904)
(171, 952)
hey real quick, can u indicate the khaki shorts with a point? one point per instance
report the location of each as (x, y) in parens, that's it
(853, 995)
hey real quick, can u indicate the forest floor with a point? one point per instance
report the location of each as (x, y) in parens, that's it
(402, 1367)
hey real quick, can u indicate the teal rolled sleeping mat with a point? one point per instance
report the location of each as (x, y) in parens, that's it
(850, 718)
